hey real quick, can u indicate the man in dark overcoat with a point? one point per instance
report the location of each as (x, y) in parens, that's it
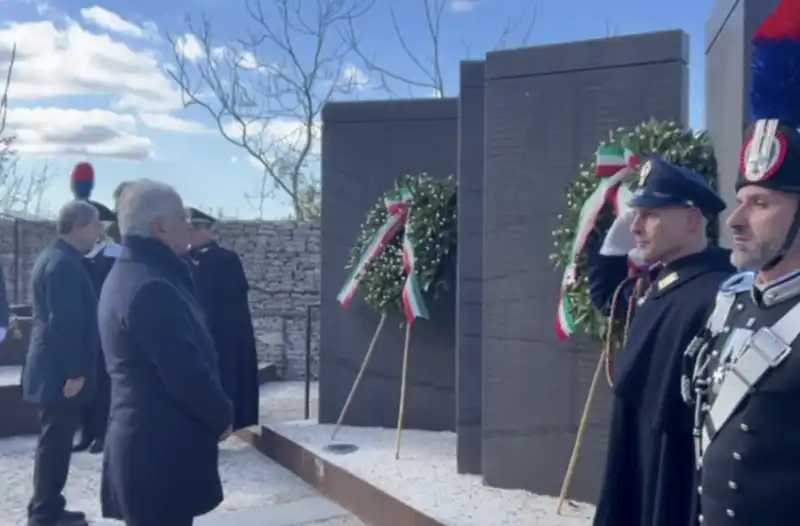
(58, 374)
(168, 408)
(222, 287)
(650, 466)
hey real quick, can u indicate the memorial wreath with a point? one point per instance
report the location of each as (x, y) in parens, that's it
(399, 261)
(601, 189)
(407, 236)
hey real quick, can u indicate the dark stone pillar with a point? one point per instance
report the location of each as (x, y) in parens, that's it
(728, 32)
(546, 110)
(366, 146)
(469, 305)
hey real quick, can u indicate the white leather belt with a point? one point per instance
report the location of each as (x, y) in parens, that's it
(764, 350)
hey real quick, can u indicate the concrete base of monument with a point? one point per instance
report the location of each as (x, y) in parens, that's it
(421, 488)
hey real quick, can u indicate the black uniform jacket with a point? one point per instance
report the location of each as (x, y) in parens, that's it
(222, 288)
(751, 469)
(650, 466)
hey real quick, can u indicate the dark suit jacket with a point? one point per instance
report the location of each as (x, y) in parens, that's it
(4, 309)
(168, 408)
(64, 337)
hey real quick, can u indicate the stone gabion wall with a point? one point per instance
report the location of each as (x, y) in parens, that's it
(281, 260)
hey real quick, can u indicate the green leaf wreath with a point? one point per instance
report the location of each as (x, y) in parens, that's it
(667, 140)
(433, 234)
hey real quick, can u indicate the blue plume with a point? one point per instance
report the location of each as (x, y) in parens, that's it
(775, 89)
(82, 189)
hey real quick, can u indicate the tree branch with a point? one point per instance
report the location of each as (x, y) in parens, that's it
(272, 109)
(428, 71)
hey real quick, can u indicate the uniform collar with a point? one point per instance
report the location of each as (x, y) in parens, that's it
(778, 291)
(202, 249)
(688, 267)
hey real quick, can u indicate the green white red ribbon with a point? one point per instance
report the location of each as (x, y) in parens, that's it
(614, 164)
(412, 297)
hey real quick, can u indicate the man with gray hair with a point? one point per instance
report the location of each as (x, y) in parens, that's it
(168, 408)
(59, 368)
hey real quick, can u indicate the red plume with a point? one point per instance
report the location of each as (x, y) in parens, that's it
(82, 180)
(782, 23)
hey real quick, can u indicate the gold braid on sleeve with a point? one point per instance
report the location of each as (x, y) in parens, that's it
(612, 343)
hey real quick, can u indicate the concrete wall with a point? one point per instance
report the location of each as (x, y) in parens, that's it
(469, 306)
(728, 32)
(281, 260)
(365, 147)
(546, 109)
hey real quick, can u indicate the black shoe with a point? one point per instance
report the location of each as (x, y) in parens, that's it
(60, 522)
(97, 446)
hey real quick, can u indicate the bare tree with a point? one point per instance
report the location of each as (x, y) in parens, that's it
(18, 192)
(271, 108)
(516, 32)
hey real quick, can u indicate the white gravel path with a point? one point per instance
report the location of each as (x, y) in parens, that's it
(426, 477)
(250, 480)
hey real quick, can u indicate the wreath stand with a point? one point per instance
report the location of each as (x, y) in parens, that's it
(360, 375)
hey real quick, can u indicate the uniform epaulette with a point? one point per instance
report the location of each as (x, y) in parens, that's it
(741, 282)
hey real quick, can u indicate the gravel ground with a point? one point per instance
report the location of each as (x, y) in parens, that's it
(426, 477)
(251, 481)
(285, 401)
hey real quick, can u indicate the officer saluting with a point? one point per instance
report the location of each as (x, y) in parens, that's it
(743, 373)
(650, 465)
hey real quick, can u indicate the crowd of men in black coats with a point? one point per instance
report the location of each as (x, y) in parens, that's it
(143, 340)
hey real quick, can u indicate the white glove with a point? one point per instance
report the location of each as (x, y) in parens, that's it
(3, 333)
(620, 241)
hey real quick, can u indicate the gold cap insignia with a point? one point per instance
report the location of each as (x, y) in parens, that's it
(644, 172)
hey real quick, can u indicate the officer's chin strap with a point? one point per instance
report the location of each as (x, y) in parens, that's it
(794, 228)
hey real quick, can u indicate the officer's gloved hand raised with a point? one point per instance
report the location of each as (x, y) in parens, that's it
(620, 241)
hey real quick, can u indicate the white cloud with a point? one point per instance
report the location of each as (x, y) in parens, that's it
(192, 49)
(110, 21)
(58, 58)
(53, 131)
(167, 122)
(277, 135)
(54, 61)
(354, 77)
(463, 6)
(189, 47)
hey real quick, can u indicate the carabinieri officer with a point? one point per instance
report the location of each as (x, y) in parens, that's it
(742, 372)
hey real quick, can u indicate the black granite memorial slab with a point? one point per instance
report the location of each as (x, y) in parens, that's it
(469, 306)
(366, 146)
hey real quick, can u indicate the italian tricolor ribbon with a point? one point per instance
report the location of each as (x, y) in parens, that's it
(613, 164)
(413, 301)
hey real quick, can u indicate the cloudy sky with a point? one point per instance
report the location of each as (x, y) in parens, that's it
(91, 79)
